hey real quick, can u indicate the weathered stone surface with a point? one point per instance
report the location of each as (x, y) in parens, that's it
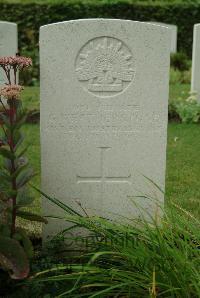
(104, 101)
(8, 42)
(174, 32)
(195, 81)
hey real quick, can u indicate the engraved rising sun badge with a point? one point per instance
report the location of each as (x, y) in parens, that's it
(105, 66)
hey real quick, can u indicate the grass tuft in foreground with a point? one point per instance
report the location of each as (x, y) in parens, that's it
(131, 260)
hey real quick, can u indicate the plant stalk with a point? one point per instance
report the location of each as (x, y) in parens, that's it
(12, 112)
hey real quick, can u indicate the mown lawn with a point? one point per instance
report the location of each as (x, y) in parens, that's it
(183, 166)
(30, 97)
(183, 157)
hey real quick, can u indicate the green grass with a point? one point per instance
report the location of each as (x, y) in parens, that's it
(127, 260)
(30, 97)
(183, 164)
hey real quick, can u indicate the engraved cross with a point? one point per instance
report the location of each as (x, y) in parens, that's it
(102, 178)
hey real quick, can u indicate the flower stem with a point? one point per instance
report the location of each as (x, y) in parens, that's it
(12, 113)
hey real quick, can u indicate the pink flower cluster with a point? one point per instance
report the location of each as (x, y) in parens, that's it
(11, 91)
(15, 62)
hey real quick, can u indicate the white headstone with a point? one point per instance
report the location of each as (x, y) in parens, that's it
(8, 42)
(104, 102)
(174, 30)
(195, 80)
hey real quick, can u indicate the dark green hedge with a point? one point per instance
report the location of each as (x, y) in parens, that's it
(31, 16)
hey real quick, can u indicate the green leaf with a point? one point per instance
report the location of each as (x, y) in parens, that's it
(25, 177)
(4, 177)
(7, 164)
(7, 154)
(57, 202)
(21, 120)
(13, 258)
(4, 206)
(18, 139)
(4, 230)
(21, 235)
(24, 198)
(23, 151)
(5, 186)
(10, 192)
(5, 119)
(31, 216)
(20, 169)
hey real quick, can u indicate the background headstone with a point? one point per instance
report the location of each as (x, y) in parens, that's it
(195, 80)
(174, 31)
(8, 42)
(104, 102)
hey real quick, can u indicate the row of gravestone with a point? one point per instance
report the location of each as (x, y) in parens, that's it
(8, 46)
(104, 100)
